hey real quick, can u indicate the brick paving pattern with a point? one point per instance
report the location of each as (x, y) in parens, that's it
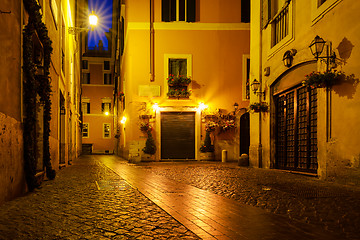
(330, 206)
(87, 201)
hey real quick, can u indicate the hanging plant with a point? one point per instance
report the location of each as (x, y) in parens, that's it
(36, 85)
(259, 107)
(324, 79)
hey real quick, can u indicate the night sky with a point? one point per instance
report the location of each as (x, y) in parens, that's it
(103, 9)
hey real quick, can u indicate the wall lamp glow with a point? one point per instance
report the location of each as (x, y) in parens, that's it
(93, 19)
(156, 107)
(106, 113)
(202, 106)
(123, 120)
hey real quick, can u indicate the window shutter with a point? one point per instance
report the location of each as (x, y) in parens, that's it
(191, 11)
(165, 10)
(266, 12)
(245, 11)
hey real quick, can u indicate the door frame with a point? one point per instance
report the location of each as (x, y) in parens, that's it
(178, 109)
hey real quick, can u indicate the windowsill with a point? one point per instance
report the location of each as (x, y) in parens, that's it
(317, 13)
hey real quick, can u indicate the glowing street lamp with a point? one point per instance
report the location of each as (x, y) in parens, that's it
(93, 20)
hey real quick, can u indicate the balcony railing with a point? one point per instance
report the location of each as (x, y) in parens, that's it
(280, 25)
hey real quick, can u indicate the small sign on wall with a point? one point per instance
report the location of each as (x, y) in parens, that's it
(149, 90)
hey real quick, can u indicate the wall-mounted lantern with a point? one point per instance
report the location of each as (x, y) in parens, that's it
(289, 57)
(93, 20)
(317, 47)
(255, 85)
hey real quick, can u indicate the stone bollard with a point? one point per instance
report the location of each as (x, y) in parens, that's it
(224, 156)
(243, 160)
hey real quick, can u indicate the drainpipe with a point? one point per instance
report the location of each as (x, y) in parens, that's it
(260, 89)
(151, 40)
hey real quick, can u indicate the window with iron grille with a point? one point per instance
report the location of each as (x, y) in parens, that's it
(178, 10)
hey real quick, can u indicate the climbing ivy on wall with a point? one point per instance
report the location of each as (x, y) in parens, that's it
(33, 85)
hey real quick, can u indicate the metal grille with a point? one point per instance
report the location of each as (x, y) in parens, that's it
(296, 130)
(281, 132)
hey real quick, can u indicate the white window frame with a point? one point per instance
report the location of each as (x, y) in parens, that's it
(88, 130)
(188, 58)
(104, 125)
(318, 12)
(244, 69)
(85, 100)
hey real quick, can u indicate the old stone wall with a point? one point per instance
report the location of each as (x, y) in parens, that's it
(12, 180)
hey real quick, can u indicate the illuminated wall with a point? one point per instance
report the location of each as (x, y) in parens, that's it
(216, 44)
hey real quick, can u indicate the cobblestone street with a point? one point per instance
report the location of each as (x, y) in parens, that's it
(87, 201)
(328, 205)
(105, 197)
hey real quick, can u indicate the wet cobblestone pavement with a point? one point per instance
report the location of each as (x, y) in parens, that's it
(328, 205)
(87, 201)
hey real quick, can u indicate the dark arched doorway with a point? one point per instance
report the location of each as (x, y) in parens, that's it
(244, 133)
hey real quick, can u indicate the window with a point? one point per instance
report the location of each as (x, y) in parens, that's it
(107, 78)
(85, 64)
(320, 2)
(245, 11)
(85, 78)
(85, 107)
(106, 107)
(280, 20)
(178, 10)
(63, 45)
(106, 65)
(178, 64)
(321, 7)
(106, 130)
(85, 130)
(246, 78)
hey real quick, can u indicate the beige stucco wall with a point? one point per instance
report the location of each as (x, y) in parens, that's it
(216, 45)
(12, 181)
(338, 157)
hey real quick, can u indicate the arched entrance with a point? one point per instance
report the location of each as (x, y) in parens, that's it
(295, 121)
(244, 133)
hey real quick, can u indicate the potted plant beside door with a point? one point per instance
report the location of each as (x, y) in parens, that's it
(207, 148)
(150, 148)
